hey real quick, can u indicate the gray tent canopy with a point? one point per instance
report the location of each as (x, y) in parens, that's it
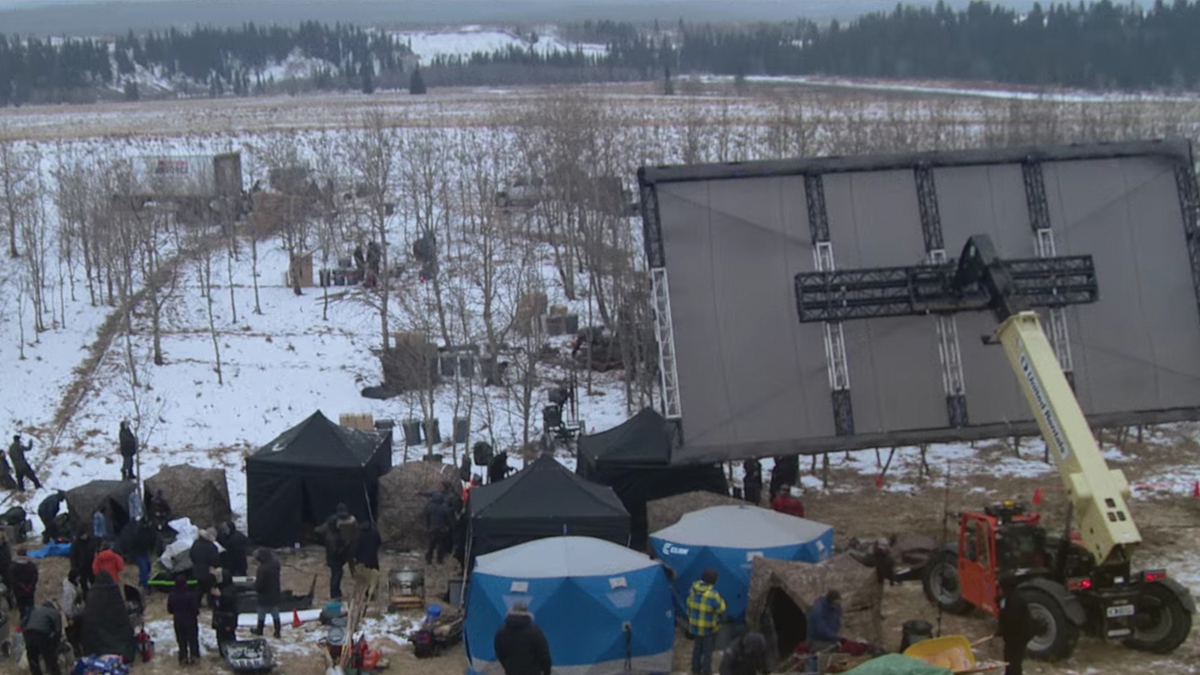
(109, 496)
(201, 495)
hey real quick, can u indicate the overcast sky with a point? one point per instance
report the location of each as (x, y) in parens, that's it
(92, 17)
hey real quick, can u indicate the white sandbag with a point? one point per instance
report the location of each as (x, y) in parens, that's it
(177, 556)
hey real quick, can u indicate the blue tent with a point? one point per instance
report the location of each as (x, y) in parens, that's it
(728, 539)
(583, 592)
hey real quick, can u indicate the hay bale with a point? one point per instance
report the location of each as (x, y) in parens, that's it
(192, 492)
(663, 513)
(803, 583)
(401, 504)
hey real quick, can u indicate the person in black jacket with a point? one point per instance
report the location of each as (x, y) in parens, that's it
(137, 542)
(23, 573)
(205, 560)
(20, 464)
(129, 449)
(267, 589)
(498, 469)
(233, 558)
(438, 523)
(48, 512)
(786, 472)
(184, 608)
(1016, 627)
(6, 558)
(753, 482)
(83, 553)
(225, 610)
(43, 633)
(520, 646)
(366, 575)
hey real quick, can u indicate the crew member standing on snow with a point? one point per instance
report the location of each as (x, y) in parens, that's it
(184, 608)
(6, 477)
(786, 472)
(206, 560)
(71, 602)
(233, 558)
(267, 589)
(341, 541)
(753, 482)
(83, 554)
(129, 448)
(16, 453)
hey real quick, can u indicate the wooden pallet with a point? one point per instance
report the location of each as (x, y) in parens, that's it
(403, 602)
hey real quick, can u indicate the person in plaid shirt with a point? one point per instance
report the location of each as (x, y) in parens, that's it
(706, 608)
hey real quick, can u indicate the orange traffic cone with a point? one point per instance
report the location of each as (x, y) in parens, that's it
(295, 619)
(1037, 497)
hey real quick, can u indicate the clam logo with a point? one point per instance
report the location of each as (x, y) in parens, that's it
(672, 549)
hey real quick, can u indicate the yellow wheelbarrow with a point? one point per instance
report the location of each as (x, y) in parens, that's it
(952, 652)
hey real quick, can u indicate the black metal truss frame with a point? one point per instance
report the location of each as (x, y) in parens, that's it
(818, 215)
(656, 255)
(1035, 194)
(1189, 206)
(930, 289)
(927, 203)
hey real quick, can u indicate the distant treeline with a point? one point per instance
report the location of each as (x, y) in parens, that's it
(38, 70)
(1097, 45)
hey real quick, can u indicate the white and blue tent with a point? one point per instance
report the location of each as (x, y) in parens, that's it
(604, 608)
(728, 539)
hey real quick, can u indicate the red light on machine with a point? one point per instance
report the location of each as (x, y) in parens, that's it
(1079, 584)
(1156, 575)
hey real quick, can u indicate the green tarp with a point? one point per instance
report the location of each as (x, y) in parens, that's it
(897, 664)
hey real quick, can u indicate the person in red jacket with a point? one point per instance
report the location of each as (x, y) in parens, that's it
(108, 560)
(788, 502)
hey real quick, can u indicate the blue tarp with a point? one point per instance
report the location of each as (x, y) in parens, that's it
(728, 539)
(582, 593)
(52, 550)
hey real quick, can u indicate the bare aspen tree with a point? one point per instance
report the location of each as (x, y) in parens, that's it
(424, 193)
(373, 156)
(16, 172)
(22, 284)
(336, 216)
(33, 238)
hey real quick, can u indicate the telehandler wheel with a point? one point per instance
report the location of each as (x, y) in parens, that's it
(1161, 623)
(942, 585)
(1056, 634)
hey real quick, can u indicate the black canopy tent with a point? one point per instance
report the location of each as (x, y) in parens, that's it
(543, 500)
(634, 459)
(300, 477)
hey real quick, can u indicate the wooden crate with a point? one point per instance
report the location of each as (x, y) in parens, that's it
(362, 421)
(302, 269)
